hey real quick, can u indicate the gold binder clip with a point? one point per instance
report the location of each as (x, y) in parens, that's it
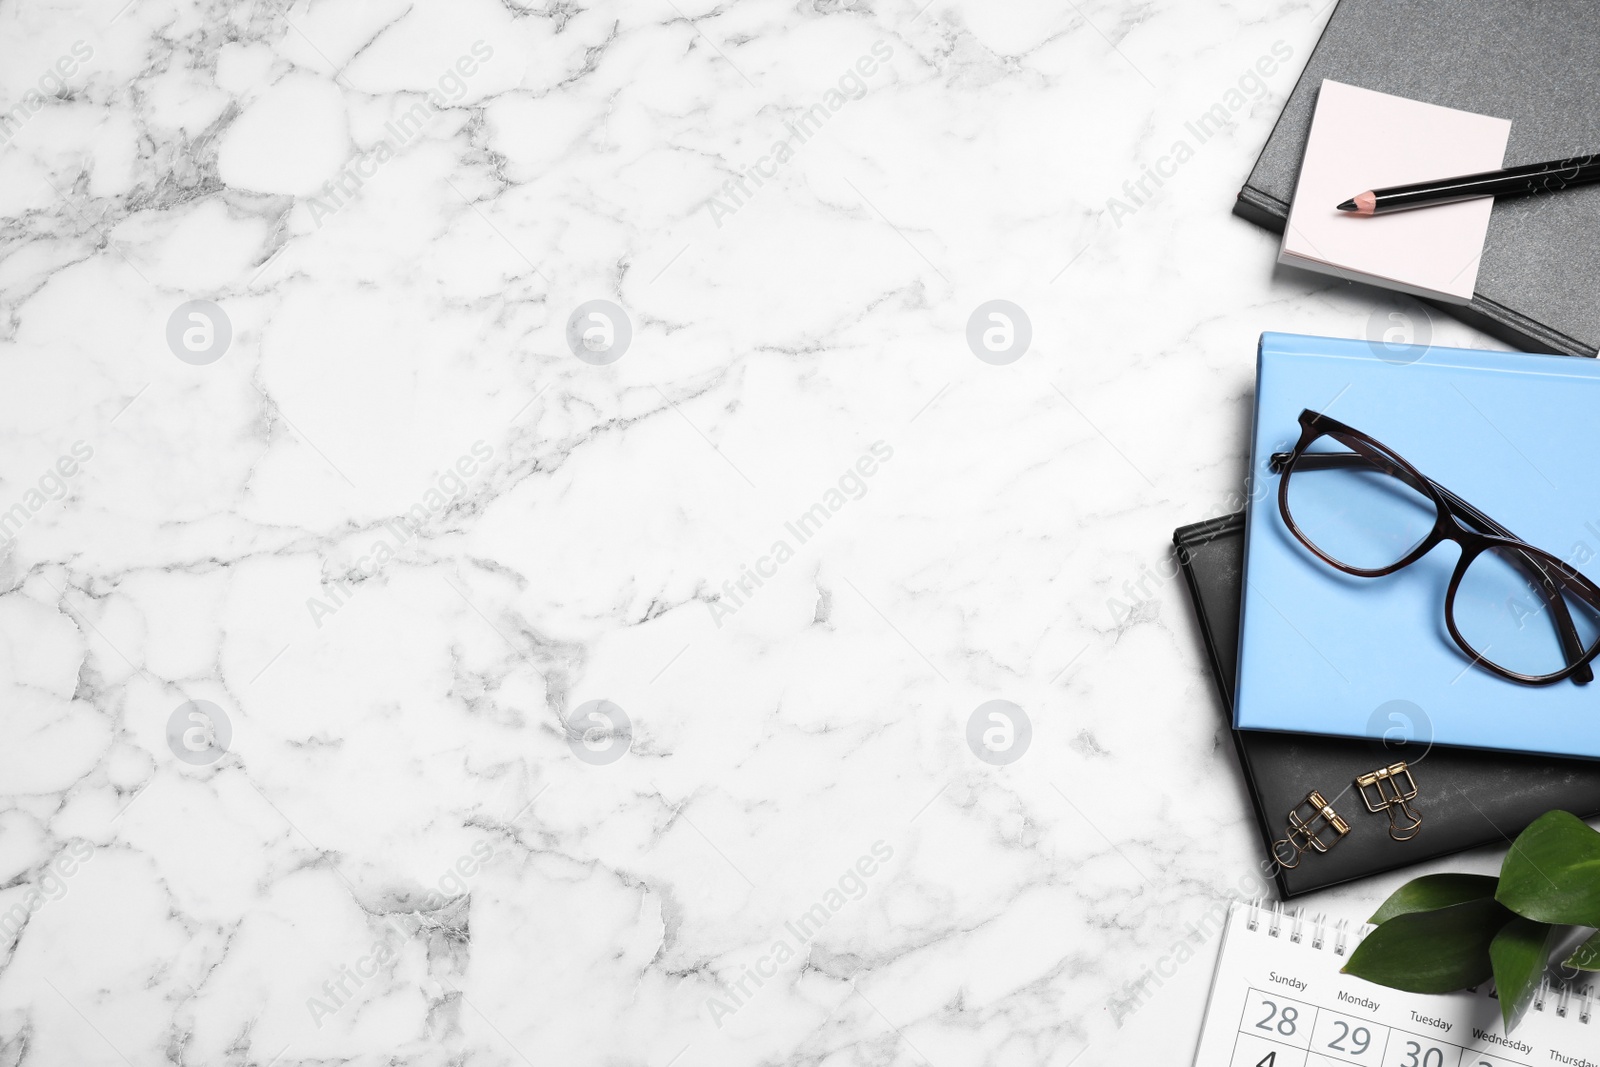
(1309, 825)
(1390, 790)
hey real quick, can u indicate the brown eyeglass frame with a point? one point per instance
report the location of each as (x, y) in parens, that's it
(1457, 521)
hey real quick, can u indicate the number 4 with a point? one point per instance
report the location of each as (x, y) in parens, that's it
(1269, 1060)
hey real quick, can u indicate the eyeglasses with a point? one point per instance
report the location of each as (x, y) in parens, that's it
(1514, 609)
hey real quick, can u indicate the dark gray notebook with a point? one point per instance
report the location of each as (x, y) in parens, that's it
(1531, 61)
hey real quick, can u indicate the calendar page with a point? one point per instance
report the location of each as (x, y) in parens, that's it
(1278, 1000)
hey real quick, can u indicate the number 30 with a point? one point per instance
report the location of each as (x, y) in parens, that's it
(1431, 1058)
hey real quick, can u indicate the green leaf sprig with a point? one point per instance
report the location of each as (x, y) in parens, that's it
(1444, 932)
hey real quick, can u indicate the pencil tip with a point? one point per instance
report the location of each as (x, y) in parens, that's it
(1348, 205)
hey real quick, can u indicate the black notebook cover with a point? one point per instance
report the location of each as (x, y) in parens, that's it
(1466, 797)
(1530, 61)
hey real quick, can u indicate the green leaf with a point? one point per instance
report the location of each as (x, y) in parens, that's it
(1552, 873)
(1519, 953)
(1587, 955)
(1431, 951)
(1434, 891)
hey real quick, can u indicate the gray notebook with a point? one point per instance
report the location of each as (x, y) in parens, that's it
(1530, 61)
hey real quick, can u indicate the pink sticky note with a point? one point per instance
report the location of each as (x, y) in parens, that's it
(1363, 140)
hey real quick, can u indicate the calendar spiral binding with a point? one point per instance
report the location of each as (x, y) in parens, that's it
(1295, 921)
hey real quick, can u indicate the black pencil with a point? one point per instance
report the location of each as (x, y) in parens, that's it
(1549, 177)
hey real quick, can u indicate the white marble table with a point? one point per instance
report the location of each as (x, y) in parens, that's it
(323, 542)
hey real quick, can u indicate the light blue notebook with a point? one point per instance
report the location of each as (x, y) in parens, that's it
(1320, 651)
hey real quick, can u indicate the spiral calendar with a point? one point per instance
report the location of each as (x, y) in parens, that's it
(1278, 1000)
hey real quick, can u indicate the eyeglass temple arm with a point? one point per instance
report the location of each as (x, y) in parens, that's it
(1566, 630)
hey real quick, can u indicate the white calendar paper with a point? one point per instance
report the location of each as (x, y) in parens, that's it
(1278, 1000)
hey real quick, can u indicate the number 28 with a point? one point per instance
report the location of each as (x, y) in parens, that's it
(1286, 1018)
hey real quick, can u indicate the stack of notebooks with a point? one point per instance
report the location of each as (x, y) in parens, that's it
(1329, 676)
(1325, 674)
